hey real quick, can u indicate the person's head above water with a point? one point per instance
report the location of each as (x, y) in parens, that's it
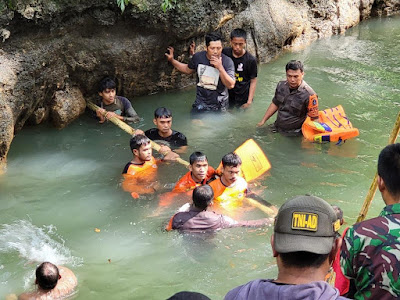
(47, 276)
(203, 196)
(107, 90)
(198, 166)
(163, 121)
(231, 164)
(213, 44)
(231, 160)
(238, 42)
(294, 73)
(141, 148)
(212, 37)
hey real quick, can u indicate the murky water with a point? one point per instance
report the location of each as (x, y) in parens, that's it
(61, 185)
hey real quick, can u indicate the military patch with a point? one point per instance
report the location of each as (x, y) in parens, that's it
(305, 221)
(336, 225)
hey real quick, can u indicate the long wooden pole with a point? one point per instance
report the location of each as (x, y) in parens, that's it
(374, 184)
(156, 147)
(131, 131)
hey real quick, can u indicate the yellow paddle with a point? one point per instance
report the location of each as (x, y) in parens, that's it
(131, 131)
(254, 164)
(374, 184)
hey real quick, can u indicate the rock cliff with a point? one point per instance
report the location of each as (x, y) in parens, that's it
(53, 52)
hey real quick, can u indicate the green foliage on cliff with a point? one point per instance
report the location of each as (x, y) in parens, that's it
(142, 5)
(11, 4)
(169, 5)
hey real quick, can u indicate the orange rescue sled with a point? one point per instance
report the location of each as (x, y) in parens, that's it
(332, 126)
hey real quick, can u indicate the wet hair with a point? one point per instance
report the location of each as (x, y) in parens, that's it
(303, 259)
(238, 33)
(197, 156)
(202, 196)
(212, 37)
(138, 140)
(162, 112)
(295, 65)
(231, 160)
(106, 83)
(389, 168)
(47, 276)
(188, 296)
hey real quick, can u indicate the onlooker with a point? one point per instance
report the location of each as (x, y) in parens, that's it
(370, 254)
(163, 132)
(115, 106)
(294, 99)
(197, 218)
(245, 70)
(215, 75)
(53, 282)
(304, 243)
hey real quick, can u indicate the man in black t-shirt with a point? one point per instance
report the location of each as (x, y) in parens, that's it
(215, 75)
(163, 133)
(245, 70)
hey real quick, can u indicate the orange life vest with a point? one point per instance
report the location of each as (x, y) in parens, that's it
(186, 183)
(229, 196)
(139, 178)
(332, 126)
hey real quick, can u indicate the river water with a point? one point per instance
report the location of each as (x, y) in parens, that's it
(61, 185)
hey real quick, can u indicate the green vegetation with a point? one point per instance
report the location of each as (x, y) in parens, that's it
(169, 5)
(142, 5)
(11, 4)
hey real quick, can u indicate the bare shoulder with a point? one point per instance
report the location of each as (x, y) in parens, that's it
(67, 281)
(30, 296)
(25, 296)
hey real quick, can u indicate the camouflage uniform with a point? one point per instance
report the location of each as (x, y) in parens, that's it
(370, 255)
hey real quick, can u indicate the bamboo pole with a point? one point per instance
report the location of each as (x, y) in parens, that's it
(374, 184)
(131, 131)
(156, 147)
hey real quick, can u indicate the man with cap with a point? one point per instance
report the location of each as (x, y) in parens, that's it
(304, 243)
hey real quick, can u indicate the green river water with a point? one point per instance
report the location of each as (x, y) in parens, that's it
(61, 185)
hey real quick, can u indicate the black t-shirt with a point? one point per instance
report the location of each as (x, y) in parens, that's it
(211, 94)
(245, 70)
(176, 139)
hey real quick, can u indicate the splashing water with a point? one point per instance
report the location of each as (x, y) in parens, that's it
(36, 244)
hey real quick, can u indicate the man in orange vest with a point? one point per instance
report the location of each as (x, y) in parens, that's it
(200, 173)
(140, 173)
(230, 189)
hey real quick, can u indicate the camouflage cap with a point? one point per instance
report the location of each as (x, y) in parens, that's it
(305, 223)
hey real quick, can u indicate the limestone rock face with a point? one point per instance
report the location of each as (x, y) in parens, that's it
(67, 106)
(48, 46)
(6, 132)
